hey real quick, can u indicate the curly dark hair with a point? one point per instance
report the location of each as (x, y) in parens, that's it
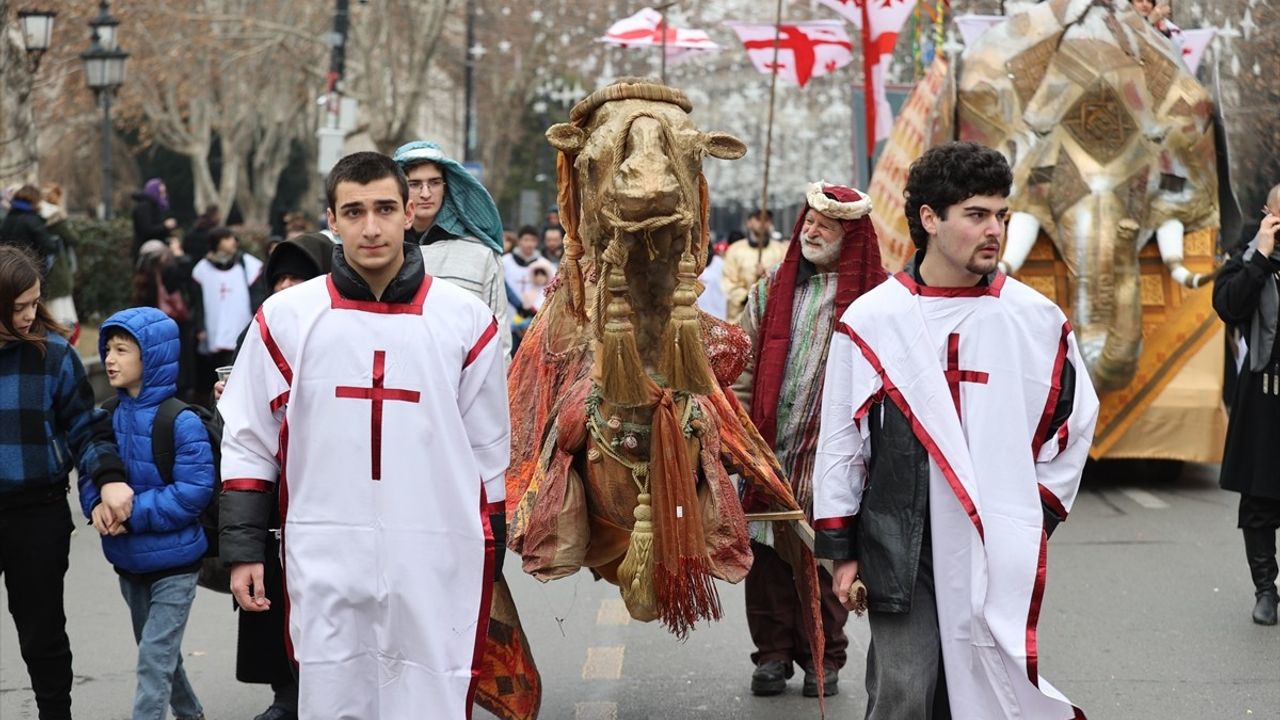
(948, 174)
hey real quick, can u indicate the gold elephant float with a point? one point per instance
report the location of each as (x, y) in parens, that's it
(1114, 205)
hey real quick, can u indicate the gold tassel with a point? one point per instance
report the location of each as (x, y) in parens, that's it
(635, 574)
(685, 360)
(623, 380)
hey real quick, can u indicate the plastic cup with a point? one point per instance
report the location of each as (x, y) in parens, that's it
(224, 372)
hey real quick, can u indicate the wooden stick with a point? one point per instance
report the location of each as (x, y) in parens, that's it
(774, 516)
(768, 138)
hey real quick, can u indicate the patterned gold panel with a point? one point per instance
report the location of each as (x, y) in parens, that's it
(1068, 185)
(1029, 67)
(1132, 194)
(1045, 285)
(1159, 71)
(1200, 243)
(1182, 108)
(1100, 122)
(1152, 289)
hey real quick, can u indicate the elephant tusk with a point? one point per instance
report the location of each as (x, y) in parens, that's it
(1169, 238)
(1023, 230)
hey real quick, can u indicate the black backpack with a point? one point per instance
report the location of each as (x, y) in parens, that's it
(163, 454)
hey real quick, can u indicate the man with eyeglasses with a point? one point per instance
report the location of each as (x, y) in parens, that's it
(1246, 294)
(457, 224)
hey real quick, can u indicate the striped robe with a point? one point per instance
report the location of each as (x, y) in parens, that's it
(800, 402)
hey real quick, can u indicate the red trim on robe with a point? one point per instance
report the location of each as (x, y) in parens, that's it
(921, 433)
(273, 349)
(866, 407)
(495, 508)
(1048, 498)
(247, 485)
(915, 288)
(1063, 432)
(413, 307)
(282, 454)
(835, 523)
(279, 401)
(476, 349)
(1055, 392)
(1033, 613)
(486, 597)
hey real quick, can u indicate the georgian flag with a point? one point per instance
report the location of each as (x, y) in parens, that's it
(1194, 43)
(805, 49)
(883, 20)
(644, 30)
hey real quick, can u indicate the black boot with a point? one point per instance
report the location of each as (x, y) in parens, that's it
(1260, 549)
(770, 677)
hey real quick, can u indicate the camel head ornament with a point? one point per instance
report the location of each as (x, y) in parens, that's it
(635, 209)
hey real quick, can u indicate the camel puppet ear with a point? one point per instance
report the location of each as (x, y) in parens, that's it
(724, 146)
(566, 137)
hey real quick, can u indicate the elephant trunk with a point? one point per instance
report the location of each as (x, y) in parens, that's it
(1111, 342)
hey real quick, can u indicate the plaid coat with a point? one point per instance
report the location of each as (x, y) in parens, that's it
(48, 423)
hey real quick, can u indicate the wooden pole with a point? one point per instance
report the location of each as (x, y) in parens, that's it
(662, 27)
(768, 138)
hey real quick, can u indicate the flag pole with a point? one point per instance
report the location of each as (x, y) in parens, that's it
(662, 28)
(869, 95)
(768, 138)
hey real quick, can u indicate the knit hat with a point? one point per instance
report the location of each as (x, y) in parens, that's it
(467, 210)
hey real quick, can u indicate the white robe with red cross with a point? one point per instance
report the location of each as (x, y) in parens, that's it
(387, 427)
(977, 371)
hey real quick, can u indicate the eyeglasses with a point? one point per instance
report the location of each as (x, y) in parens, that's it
(415, 186)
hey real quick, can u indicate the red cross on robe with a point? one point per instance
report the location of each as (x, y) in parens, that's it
(955, 375)
(378, 394)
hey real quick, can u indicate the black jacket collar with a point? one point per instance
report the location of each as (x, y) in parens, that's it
(401, 290)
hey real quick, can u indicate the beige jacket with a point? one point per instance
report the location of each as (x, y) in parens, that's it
(740, 262)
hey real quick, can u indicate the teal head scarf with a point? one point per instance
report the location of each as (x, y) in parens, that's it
(468, 210)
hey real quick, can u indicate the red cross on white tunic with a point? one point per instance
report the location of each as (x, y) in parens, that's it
(955, 375)
(378, 394)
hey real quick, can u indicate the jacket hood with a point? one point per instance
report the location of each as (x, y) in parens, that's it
(157, 336)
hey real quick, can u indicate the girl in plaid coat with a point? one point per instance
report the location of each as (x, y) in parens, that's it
(48, 424)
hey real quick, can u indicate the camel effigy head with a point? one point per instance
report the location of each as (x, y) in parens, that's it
(634, 201)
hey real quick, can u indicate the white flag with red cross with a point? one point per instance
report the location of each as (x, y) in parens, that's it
(645, 30)
(1194, 43)
(880, 21)
(805, 49)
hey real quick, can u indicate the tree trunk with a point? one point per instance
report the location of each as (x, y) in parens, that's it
(17, 123)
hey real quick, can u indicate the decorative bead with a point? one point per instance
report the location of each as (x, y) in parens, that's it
(615, 422)
(630, 442)
(593, 455)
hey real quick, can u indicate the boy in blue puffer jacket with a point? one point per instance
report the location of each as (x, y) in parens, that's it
(157, 551)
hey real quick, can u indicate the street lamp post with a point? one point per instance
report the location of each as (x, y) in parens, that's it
(104, 65)
(37, 30)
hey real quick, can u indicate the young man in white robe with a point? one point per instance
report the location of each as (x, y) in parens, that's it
(956, 420)
(373, 400)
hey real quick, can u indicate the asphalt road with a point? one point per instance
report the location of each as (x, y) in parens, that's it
(1146, 616)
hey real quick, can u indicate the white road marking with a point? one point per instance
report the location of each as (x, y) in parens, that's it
(603, 663)
(595, 711)
(1145, 499)
(613, 611)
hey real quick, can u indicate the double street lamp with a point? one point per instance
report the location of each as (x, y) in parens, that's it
(104, 65)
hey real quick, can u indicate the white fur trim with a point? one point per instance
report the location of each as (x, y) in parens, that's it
(835, 209)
